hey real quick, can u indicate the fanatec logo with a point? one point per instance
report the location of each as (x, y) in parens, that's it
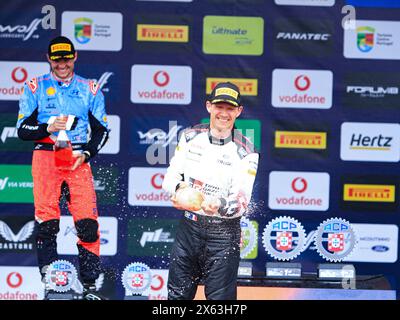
(306, 36)
(155, 236)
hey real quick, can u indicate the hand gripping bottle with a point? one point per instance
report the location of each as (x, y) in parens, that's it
(63, 151)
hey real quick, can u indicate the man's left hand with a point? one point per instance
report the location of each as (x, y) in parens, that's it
(79, 159)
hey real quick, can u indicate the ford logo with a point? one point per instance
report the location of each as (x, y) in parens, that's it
(103, 241)
(380, 248)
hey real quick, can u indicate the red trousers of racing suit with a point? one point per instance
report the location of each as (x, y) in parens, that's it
(48, 181)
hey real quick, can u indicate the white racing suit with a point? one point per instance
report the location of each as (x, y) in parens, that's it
(207, 247)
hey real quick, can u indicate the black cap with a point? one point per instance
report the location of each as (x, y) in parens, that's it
(61, 47)
(225, 92)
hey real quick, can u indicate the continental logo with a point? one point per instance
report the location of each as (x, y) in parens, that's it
(369, 192)
(300, 139)
(247, 87)
(162, 33)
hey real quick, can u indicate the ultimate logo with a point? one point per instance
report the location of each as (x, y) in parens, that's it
(284, 238)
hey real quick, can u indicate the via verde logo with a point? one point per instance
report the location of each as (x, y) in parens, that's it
(16, 184)
(233, 35)
(250, 128)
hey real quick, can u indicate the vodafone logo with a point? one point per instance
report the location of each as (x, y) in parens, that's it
(157, 180)
(145, 187)
(302, 83)
(14, 280)
(19, 74)
(157, 283)
(161, 78)
(299, 185)
(300, 93)
(16, 74)
(298, 190)
(161, 84)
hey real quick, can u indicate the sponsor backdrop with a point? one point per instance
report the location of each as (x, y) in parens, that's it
(322, 104)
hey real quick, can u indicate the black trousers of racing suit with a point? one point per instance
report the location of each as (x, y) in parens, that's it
(207, 249)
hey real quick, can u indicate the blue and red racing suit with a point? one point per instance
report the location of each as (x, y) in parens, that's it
(43, 99)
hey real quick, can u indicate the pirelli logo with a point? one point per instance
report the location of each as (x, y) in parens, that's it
(369, 192)
(60, 47)
(300, 140)
(162, 33)
(247, 87)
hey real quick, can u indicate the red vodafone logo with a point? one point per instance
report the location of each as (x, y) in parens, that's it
(299, 185)
(157, 180)
(19, 74)
(157, 283)
(302, 83)
(161, 78)
(14, 280)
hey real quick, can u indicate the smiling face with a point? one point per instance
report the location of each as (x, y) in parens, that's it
(222, 117)
(63, 69)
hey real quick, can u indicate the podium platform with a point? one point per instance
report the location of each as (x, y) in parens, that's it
(309, 287)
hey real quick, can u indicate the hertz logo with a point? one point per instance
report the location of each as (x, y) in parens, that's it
(162, 33)
(300, 139)
(369, 192)
(247, 87)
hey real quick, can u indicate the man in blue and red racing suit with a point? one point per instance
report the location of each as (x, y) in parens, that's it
(211, 178)
(44, 100)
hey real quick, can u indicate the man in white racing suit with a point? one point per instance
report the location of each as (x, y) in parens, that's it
(211, 178)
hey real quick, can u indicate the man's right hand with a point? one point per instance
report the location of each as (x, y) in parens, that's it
(60, 123)
(187, 198)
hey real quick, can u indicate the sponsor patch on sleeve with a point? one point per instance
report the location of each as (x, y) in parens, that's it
(94, 87)
(33, 84)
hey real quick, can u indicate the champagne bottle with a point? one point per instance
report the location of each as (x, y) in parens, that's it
(63, 151)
